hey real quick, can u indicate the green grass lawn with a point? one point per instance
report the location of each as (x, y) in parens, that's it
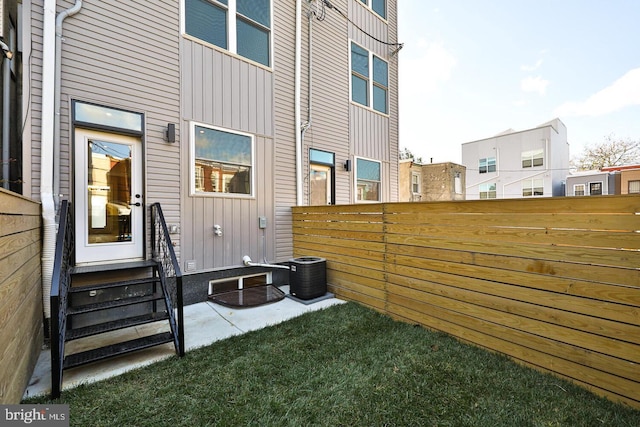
(343, 366)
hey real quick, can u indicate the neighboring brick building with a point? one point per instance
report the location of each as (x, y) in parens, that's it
(431, 182)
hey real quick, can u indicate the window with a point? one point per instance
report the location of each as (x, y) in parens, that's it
(488, 191)
(240, 26)
(533, 187)
(532, 158)
(595, 188)
(368, 180)
(578, 190)
(365, 90)
(457, 183)
(378, 6)
(222, 161)
(415, 183)
(487, 164)
(634, 187)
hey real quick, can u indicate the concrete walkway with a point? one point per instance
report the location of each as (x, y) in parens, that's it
(205, 323)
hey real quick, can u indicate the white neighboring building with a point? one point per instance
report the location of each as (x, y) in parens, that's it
(516, 164)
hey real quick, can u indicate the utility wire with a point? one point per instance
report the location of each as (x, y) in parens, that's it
(331, 6)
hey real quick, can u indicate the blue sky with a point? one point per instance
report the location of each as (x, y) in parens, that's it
(471, 69)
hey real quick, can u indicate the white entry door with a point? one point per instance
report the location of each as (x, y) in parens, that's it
(109, 208)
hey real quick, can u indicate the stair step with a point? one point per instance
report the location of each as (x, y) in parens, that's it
(82, 269)
(88, 308)
(77, 289)
(113, 325)
(118, 349)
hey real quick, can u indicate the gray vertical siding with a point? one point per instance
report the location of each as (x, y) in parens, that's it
(220, 89)
(132, 55)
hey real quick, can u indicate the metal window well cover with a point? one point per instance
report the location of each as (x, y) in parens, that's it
(249, 297)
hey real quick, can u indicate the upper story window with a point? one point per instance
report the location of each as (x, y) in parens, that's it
(532, 158)
(488, 191)
(488, 164)
(368, 180)
(415, 183)
(222, 161)
(378, 6)
(369, 79)
(240, 26)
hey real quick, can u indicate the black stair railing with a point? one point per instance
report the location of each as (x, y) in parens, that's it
(170, 274)
(64, 259)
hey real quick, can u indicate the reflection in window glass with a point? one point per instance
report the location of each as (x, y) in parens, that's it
(253, 42)
(488, 191)
(223, 161)
(206, 21)
(368, 180)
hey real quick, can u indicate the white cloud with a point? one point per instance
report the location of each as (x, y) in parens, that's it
(624, 92)
(534, 84)
(433, 67)
(532, 67)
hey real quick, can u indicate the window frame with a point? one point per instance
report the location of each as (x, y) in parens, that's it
(530, 184)
(369, 5)
(233, 16)
(486, 163)
(486, 188)
(584, 189)
(357, 180)
(417, 184)
(592, 183)
(531, 156)
(192, 163)
(635, 182)
(370, 80)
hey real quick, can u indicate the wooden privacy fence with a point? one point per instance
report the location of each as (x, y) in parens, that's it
(21, 332)
(553, 283)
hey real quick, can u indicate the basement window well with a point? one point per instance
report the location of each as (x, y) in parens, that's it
(244, 291)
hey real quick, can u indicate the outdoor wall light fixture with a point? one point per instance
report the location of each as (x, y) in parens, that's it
(347, 165)
(171, 132)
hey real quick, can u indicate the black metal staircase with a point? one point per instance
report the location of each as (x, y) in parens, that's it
(91, 302)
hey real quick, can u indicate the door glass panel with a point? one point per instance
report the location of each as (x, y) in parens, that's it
(108, 192)
(320, 185)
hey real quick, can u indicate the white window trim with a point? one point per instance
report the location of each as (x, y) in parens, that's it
(416, 174)
(488, 184)
(532, 155)
(584, 189)
(355, 180)
(192, 162)
(530, 184)
(368, 6)
(370, 83)
(231, 33)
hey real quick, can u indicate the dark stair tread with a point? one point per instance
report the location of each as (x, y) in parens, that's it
(110, 285)
(81, 269)
(117, 349)
(87, 308)
(113, 325)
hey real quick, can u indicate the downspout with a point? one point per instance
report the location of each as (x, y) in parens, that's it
(306, 125)
(6, 119)
(58, 78)
(50, 86)
(297, 118)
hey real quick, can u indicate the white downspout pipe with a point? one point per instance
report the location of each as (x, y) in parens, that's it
(297, 115)
(246, 260)
(50, 86)
(58, 78)
(46, 152)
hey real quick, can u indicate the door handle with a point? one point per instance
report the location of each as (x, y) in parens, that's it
(135, 204)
